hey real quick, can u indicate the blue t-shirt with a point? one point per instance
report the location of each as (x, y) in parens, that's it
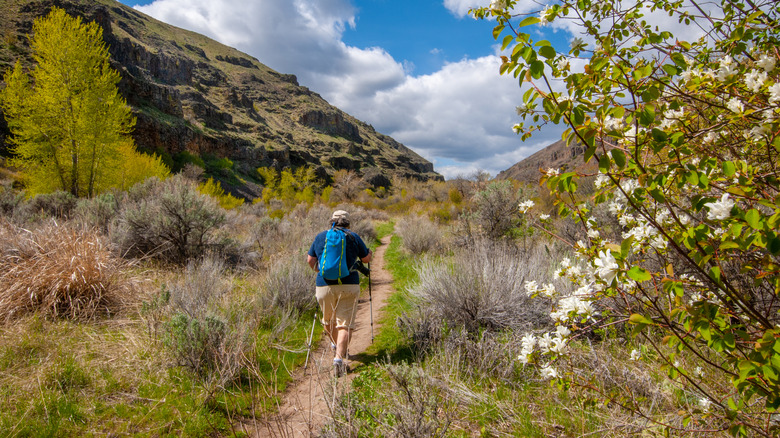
(355, 248)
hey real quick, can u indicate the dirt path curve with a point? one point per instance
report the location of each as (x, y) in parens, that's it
(306, 406)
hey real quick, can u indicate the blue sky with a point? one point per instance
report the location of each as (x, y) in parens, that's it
(423, 72)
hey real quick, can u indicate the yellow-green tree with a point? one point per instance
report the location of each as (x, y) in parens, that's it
(70, 126)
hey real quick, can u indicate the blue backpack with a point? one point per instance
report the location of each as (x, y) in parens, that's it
(333, 263)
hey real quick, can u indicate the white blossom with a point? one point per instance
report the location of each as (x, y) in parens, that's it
(754, 80)
(699, 372)
(725, 72)
(525, 206)
(543, 16)
(659, 243)
(615, 207)
(735, 105)
(767, 62)
(705, 403)
(757, 133)
(545, 342)
(593, 233)
(552, 171)
(563, 63)
(563, 331)
(548, 290)
(558, 345)
(613, 124)
(517, 128)
(530, 287)
(710, 137)
(602, 181)
(548, 372)
(607, 266)
(544, 217)
(528, 342)
(720, 210)
(774, 93)
(498, 4)
(524, 357)
(636, 354)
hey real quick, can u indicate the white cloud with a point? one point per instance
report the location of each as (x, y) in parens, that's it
(461, 7)
(460, 116)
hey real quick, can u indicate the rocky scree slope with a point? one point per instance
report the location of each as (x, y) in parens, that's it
(194, 96)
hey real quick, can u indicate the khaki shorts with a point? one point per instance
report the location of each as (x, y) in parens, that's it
(338, 303)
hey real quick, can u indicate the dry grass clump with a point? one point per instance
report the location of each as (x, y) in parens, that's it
(59, 271)
(482, 288)
(289, 284)
(419, 234)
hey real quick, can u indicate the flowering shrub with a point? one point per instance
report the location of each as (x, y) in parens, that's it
(686, 137)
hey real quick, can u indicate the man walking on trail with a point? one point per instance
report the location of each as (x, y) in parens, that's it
(338, 296)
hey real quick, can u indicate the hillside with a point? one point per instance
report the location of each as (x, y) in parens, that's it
(556, 155)
(196, 97)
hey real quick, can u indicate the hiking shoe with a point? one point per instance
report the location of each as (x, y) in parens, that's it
(339, 368)
(332, 346)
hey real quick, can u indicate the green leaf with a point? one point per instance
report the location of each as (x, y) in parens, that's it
(604, 163)
(639, 274)
(507, 40)
(729, 169)
(659, 135)
(619, 157)
(658, 195)
(548, 52)
(639, 319)
(670, 69)
(528, 21)
(537, 69)
(497, 31)
(753, 218)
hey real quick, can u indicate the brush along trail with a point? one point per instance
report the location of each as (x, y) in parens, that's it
(307, 404)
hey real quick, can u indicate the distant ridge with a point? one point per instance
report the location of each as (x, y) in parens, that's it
(195, 97)
(556, 155)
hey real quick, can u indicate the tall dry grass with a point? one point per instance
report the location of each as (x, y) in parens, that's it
(59, 271)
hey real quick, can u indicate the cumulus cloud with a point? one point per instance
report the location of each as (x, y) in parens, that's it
(459, 117)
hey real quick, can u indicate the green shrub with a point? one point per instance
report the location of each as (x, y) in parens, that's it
(419, 235)
(170, 220)
(203, 335)
(60, 205)
(98, 211)
(10, 200)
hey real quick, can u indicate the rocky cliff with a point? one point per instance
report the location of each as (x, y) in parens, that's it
(196, 99)
(557, 156)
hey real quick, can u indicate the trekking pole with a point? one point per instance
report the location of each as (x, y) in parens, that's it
(370, 304)
(311, 335)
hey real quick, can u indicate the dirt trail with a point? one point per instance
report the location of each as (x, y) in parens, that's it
(306, 406)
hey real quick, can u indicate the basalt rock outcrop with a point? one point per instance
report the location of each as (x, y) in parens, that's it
(194, 96)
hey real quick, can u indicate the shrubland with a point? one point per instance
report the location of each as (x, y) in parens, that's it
(641, 300)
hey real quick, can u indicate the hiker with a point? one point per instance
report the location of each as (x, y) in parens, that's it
(338, 297)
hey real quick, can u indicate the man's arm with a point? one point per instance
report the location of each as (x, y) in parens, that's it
(367, 259)
(312, 263)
